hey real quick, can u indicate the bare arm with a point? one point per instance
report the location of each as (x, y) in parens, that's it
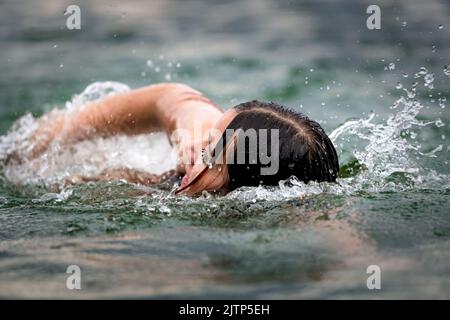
(160, 107)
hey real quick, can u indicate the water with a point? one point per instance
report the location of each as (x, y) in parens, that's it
(382, 96)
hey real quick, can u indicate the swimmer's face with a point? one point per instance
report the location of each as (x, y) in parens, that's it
(200, 175)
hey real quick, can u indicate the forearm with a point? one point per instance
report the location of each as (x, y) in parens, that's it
(161, 107)
(166, 107)
(135, 112)
(149, 109)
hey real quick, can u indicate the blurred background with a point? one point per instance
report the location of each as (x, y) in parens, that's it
(315, 56)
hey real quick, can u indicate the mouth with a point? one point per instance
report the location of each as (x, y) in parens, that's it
(186, 182)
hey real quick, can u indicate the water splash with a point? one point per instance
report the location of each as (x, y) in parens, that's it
(378, 156)
(96, 91)
(384, 156)
(87, 158)
(391, 157)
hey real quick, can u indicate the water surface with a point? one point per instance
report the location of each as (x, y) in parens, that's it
(382, 96)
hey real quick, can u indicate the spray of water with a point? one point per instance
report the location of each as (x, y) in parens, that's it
(87, 158)
(376, 156)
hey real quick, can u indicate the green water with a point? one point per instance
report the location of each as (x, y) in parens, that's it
(391, 207)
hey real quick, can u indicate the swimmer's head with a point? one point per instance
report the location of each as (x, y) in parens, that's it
(261, 144)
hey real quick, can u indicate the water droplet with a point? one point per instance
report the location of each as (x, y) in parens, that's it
(440, 27)
(439, 123)
(447, 70)
(149, 63)
(157, 69)
(61, 65)
(441, 102)
(391, 66)
(411, 94)
(422, 71)
(404, 24)
(164, 209)
(168, 77)
(55, 46)
(405, 75)
(429, 78)
(398, 86)
(178, 65)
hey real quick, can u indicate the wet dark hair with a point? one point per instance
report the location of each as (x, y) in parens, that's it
(305, 151)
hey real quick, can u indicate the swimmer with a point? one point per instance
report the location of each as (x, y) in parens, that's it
(254, 143)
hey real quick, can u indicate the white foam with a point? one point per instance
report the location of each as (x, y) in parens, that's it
(148, 152)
